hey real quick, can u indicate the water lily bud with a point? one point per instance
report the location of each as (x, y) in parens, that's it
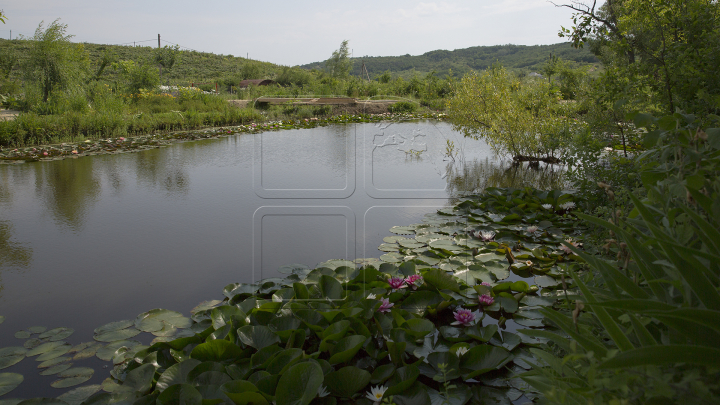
(534, 288)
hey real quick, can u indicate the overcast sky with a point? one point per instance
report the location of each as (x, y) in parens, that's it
(299, 31)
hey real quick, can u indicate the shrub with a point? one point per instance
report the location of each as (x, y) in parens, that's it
(403, 107)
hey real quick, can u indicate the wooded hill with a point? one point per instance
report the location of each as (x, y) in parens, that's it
(521, 58)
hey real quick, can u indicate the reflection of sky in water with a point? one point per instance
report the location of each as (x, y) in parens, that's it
(96, 239)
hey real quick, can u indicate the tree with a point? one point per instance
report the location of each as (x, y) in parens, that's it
(54, 63)
(3, 17)
(339, 64)
(137, 76)
(514, 118)
(166, 57)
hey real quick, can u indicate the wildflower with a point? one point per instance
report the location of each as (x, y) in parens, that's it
(461, 350)
(386, 305)
(414, 281)
(463, 317)
(547, 206)
(486, 299)
(531, 229)
(322, 392)
(376, 393)
(529, 263)
(567, 206)
(371, 296)
(397, 283)
(485, 236)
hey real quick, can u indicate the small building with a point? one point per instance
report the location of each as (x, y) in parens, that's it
(256, 82)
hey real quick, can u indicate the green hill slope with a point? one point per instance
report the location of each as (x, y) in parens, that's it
(521, 58)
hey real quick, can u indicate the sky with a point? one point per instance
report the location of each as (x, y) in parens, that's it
(296, 32)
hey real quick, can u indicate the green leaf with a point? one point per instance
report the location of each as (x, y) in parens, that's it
(257, 336)
(402, 379)
(118, 335)
(217, 350)
(140, 379)
(78, 395)
(441, 280)
(347, 381)
(330, 287)
(69, 382)
(346, 348)
(299, 385)
(180, 394)
(666, 354)
(382, 373)
(483, 358)
(117, 325)
(176, 374)
(9, 381)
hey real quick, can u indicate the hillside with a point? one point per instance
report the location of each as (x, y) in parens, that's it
(514, 57)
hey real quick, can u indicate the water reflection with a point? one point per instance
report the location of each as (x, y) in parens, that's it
(69, 188)
(12, 253)
(165, 169)
(478, 175)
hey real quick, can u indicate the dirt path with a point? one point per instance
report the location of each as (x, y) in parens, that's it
(8, 115)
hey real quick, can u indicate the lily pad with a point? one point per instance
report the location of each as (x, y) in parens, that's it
(32, 343)
(57, 334)
(37, 329)
(87, 352)
(44, 348)
(546, 281)
(69, 382)
(205, 305)
(23, 334)
(402, 230)
(9, 381)
(106, 353)
(77, 372)
(116, 335)
(11, 355)
(56, 369)
(392, 257)
(53, 362)
(113, 326)
(78, 395)
(54, 353)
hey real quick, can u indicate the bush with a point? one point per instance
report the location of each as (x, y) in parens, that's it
(403, 107)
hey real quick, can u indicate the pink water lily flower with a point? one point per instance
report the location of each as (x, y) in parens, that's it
(463, 317)
(486, 299)
(385, 306)
(414, 281)
(486, 284)
(397, 283)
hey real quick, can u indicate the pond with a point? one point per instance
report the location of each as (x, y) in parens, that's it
(91, 240)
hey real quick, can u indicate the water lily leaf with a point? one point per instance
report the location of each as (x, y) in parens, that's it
(500, 270)
(388, 247)
(78, 395)
(43, 348)
(106, 353)
(530, 323)
(141, 378)
(441, 280)
(294, 268)
(56, 352)
(32, 343)
(418, 301)
(87, 352)
(483, 358)
(335, 263)
(346, 348)
(56, 369)
(546, 281)
(392, 257)
(69, 382)
(184, 394)
(167, 330)
(77, 372)
(533, 300)
(22, 334)
(206, 305)
(9, 381)
(117, 335)
(217, 350)
(54, 335)
(176, 374)
(112, 326)
(402, 230)
(53, 362)
(347, 381)
(299, 385)
(508, 304)
(36, 329)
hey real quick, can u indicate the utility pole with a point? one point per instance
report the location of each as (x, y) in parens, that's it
(158, 40)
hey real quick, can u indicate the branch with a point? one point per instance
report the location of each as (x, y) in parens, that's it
(590, 12)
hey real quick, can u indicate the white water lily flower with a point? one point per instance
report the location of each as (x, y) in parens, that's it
(547, 206)
(322, 392)
(532, 229)
(376, 393)
(461, 350)
(371, 296)
(567, 206)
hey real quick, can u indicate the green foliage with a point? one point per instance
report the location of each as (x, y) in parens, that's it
(166, 57)
(403, 107)
(339, 64)
(514, 117)
(54, 64)
(654, 310)
(137, 76)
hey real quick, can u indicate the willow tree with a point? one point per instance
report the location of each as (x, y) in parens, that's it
(523, 119)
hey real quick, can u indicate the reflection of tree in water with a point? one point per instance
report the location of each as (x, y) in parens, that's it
(478, 175)
(165, 169)
(12, 254)
(69, 188)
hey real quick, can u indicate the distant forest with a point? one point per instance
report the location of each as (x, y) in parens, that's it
(519, 58)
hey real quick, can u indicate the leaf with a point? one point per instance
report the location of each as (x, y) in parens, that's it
(78, 395)
(257, 336)
(665, 354)
(9, 381)
(140, 379)
(441, 280)
(346, 348)
(176, 374)
(117, 325)
(69, 382)
(56, 334)
(216, 350)
(299, 385)
(106, 353)
(180, 394)
(483, 358)
(330, 288)
(56, 369)
(347, 381)
(116, 335)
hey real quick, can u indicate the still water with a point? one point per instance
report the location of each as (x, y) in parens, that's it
(87, 241)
